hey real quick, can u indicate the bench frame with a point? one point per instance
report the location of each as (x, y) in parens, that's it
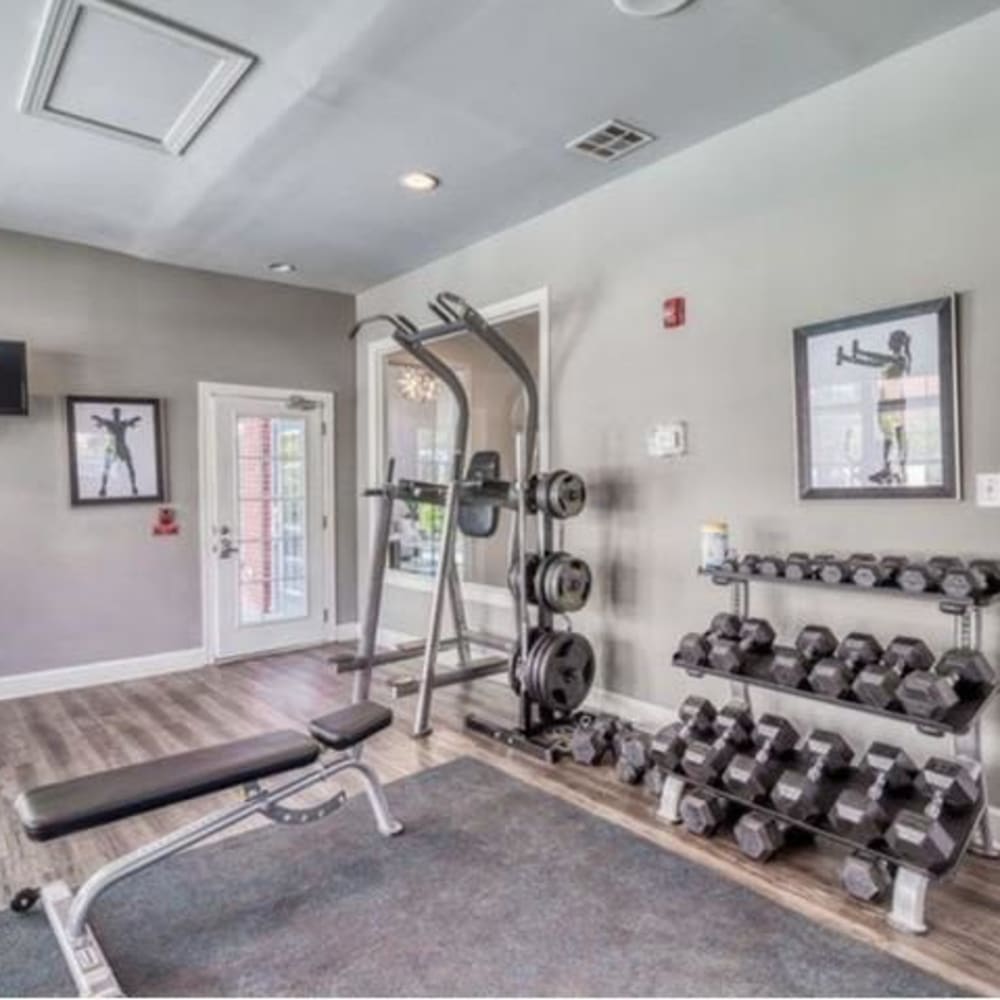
(67, 912)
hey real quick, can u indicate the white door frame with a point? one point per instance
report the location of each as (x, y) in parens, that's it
(208, 491)
(535, 301)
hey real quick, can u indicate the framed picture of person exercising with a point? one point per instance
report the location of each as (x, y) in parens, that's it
(115, 450)
(877, 404)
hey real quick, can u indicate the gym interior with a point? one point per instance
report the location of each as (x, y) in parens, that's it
(499, 499)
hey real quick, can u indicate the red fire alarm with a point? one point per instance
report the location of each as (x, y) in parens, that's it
(674, 313)
(166, 522)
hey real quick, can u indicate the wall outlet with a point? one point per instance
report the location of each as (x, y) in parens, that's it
(667, 440)
(988, 489)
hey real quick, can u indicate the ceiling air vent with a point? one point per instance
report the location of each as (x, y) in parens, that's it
(611, 141)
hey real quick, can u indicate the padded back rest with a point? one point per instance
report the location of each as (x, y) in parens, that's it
(478, 520)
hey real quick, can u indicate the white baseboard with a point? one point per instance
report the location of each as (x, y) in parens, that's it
(106, 672)
(343, 631)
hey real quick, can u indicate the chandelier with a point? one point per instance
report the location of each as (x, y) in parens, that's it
(416, 384)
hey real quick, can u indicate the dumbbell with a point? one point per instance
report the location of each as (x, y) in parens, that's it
(798, 566)
(960, 674)
(807, 795)
(878, 573)
(817, 563)
(702, 812)
(632, 756)
(751, 776)
(730, 655)
(705, 759)
(593, 739)
(652, 781)
(748, 564)
(842, 570)
(864, 878)
(922, 838)
(916, 578)
(771, 566)
(791, 666)
(697, 718)
(760, 836)
(861, 814)
(980, 577)
(833, 675)
(695, 646)
(877, 683)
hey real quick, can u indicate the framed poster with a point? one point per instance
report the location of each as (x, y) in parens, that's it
(877, 404)
(115, 450)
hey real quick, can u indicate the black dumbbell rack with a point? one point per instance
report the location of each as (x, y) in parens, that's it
(910, 881)
(962, 724)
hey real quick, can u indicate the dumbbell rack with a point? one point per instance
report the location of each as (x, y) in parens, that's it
(962, 724)
(911, 880)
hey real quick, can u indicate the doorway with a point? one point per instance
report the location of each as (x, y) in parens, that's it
(267, 544)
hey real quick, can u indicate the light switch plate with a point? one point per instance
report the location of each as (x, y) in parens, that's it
(667, 440)
(988, 489)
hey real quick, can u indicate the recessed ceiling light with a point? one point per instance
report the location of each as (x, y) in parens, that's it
(651, 8)
(420, 181)
(282, 267)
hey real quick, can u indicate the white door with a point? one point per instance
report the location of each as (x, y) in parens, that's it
(270, 546)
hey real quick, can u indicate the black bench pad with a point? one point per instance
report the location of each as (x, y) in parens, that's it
(54, 810)
(347, 726)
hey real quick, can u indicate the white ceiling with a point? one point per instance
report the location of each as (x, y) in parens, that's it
(301, 163)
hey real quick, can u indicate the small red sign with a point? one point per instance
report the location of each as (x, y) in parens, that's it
(674, 312)
(166, 522)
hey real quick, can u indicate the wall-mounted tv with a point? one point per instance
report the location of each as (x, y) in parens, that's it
(13, 377)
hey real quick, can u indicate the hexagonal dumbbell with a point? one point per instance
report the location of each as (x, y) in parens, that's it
(702, 813)
(771, 566)
(917, 578)
(705, 759)
(791, 666)
(797, 566)
(807, 795)
(695, 646)
(697, 718)
(748, 564)
(876, 684)
(632, 755)
(864, 878)
(862, 815)
(652, 781)
(592, 741)
(877, 572)
(980, 577)
(922, 838)
(751, 776)
(730, 655)
(834, 675)
(760, 836)
(842, 570)
(960, 674)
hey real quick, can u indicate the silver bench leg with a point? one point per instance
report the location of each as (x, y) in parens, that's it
(387, 824)
(909, 899)
(84, 958)
(670, 799)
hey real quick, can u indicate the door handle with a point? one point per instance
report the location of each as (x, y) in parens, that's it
(227, 547)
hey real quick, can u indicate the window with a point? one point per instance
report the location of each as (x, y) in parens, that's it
(417, 425)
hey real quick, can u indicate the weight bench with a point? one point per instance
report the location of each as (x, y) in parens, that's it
(52, 811)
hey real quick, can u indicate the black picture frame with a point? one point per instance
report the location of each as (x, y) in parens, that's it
(892, 411)
(139, 478)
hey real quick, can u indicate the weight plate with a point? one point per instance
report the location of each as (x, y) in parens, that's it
(563, 582)
(561, 494)
(562, 670)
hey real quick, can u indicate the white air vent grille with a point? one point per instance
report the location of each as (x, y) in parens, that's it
(611, 141)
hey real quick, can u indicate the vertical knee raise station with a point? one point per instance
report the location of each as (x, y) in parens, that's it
(551, 670)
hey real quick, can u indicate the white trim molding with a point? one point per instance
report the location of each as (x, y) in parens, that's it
(60, 28)
(104, 672)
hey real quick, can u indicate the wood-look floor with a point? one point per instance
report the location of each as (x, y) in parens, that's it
(61, 735)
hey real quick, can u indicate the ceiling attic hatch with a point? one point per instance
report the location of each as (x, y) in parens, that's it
(128, 74)
(611, 141)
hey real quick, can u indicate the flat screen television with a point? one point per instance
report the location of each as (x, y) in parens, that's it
(13, 377)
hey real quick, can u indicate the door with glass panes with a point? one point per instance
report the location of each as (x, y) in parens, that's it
(269, 526)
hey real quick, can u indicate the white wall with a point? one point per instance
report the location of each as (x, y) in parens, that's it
(880, 190)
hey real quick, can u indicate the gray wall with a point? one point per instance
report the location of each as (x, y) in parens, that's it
(81, 585)
(880, 190)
